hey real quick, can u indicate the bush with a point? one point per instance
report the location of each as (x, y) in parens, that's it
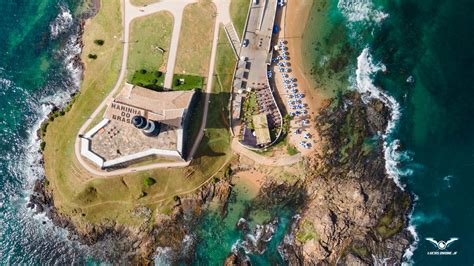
(291, 149)
(228, 171)
(92, 56)
(42, 145)
(158, 74)
(149, 181)
(99, 42)
(142, 71)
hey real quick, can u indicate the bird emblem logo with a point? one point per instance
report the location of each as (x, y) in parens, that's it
(441, 245)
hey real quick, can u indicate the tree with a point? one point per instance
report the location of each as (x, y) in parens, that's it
(149, 181)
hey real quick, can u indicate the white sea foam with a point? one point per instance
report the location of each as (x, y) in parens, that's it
(366, 68)
(361, 11)
(448, 179)
(408, 254)
(61, 23)
(164, 256)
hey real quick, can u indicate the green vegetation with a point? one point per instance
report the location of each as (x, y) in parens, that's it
(92, 56)
(389, 225)
(361, 251)
(217, 135)
(99, 42)
(291, 150)
(238, 13)
(88, 198)
(150, 39)
(352, 136)
(249, 108)
(149, 79)
(195, 42)
(187, 82)
(149, 181)
(306, 232)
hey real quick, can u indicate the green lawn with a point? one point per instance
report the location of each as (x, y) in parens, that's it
(92, 199)
(189, 82)
(150, 39)
(195, 42)
(238, 13)
(149, 79)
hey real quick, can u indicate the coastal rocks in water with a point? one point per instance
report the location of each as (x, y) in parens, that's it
(354, 214)
(113, 242)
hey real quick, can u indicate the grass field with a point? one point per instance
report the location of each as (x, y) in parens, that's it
(149, 79)
(190, 82)
(195, 41)
(238, 13)
(93, 199)
(149, 37)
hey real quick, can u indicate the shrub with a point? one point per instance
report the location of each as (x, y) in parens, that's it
(92, 56)
(149, 181)
(142, 71)
(99, 42)
(228, 171)
(42, 145)
(158, 74)
(291, 149)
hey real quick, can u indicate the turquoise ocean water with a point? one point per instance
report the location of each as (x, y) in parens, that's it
(36, 47)
(414, 55)
(417, 57)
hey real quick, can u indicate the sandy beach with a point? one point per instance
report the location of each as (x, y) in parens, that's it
(252, 179)
(294, 16)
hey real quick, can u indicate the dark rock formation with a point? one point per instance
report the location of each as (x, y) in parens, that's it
(354, 214)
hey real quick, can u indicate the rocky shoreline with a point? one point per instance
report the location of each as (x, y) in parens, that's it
(349, 212)
(354, 213)
(118, 243)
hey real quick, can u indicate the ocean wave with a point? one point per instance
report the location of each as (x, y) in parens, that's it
(393, 156)
(255, 241)
(366, 68)
(23, 160)
(61, 23)
(408, 254)
(164, 256)
(361, 11)
(71, 54)
(448, 179)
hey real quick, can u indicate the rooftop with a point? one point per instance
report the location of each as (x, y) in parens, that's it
(262, 132)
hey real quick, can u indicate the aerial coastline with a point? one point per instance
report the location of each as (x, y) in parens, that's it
(184, 201)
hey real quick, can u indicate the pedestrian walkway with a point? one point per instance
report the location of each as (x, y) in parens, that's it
(233, 37)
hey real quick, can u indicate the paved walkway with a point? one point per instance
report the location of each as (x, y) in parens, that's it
(233, 38)
(264, 160)
(176, 8)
